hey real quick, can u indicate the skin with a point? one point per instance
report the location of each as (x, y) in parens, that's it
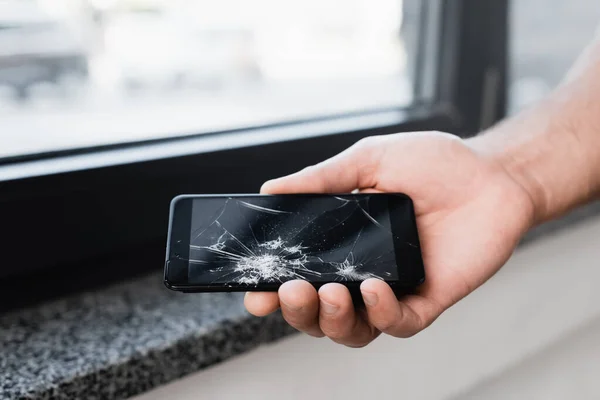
(474, 200)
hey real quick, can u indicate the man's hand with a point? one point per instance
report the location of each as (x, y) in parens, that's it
(470, 215)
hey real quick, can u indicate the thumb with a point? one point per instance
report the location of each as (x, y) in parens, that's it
(354, 168)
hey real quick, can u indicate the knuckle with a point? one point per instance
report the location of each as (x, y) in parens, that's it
(364, 142)
(389, 324)
(334, 333)
(399, 329)
(315, 332)
(367, 142)
(300, 324)
(407, 333)
(368, 153)
(386, 326)
(309, 168)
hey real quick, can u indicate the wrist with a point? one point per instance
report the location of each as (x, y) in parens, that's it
(508, 160)
(551, 151)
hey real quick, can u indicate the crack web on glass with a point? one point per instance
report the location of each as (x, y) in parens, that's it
(370, 217)
(277, 259)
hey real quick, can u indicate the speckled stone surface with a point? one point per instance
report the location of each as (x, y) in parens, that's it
(126, 339)
(123, 340)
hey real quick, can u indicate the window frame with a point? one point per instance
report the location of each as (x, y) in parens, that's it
(109, 204)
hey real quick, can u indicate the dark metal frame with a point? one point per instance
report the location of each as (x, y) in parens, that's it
(74, 216)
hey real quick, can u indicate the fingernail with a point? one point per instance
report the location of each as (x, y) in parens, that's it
(370, 298)
(291, 307)
(328, 308)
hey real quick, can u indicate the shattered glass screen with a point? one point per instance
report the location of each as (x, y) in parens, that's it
(270, 239)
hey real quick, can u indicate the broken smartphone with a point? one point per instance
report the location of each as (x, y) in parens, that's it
(226, 243)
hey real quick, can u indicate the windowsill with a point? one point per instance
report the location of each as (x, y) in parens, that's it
(128, 338)
(108, 156)
(114, 118)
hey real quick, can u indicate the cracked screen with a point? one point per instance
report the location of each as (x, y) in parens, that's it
(270, 239)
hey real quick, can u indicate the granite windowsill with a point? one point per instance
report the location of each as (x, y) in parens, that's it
(123, 340)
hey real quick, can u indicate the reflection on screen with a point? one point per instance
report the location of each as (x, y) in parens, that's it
(252, 240)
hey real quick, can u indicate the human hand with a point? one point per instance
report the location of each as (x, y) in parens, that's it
(470, 214)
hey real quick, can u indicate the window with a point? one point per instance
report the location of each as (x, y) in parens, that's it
(106, 113)
(544, 43)
(98, 72)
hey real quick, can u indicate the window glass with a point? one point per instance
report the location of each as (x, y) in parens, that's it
(545, 39)
(79, 73)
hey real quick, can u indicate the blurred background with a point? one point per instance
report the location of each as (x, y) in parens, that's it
(79, 73)
(92, 71)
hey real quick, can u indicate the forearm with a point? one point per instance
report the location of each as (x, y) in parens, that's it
(553, 149)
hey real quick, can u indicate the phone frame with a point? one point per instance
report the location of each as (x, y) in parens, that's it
(179, 232)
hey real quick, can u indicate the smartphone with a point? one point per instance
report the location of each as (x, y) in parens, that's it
(245, 242)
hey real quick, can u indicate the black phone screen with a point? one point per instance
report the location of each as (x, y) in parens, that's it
(260, 241)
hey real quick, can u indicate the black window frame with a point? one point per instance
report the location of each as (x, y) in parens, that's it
(109, 204)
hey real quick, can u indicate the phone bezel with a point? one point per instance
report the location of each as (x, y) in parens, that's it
(401, 220)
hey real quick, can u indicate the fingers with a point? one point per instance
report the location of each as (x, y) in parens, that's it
(261, 304)
(330, 312)
(339, 320)
(396, 318)
(300, 306)
(351, 169)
